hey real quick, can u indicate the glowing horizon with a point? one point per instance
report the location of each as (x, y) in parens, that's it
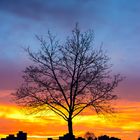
(122, 124)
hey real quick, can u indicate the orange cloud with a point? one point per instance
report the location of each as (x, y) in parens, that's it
(124, 124)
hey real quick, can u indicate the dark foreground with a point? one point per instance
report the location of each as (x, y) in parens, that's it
(23, 136)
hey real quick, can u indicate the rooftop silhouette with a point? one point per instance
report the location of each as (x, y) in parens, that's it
(20, 136)
(23, 136)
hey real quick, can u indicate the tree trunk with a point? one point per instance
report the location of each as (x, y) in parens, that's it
(70, 129)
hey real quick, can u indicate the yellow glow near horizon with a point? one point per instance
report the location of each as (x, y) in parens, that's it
(125, 123)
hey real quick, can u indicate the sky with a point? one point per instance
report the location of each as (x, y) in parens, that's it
(116, 25)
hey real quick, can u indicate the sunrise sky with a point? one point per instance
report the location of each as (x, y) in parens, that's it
(116, 24)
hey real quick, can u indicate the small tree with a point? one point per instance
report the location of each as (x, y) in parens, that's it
(90, 136)
(68, 78)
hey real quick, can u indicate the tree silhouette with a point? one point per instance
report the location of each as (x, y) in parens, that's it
(68, 78)
(90, 136)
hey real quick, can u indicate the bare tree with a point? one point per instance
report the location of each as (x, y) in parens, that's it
(68, 78)
(90, 136)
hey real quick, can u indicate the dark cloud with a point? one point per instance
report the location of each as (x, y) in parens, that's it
(22, 8)
(62, 12)
(38, 10)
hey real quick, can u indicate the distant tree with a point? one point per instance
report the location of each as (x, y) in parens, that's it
(68, 78)
(105, 137)
(90, 136)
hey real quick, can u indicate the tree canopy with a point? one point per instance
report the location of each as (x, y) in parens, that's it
(68, 78)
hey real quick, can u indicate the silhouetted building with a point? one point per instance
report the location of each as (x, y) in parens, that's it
(11, 137)
(60, 138)
(105, 137)
(50, 139)
(20, 136)
(113, 138)
(68, 137)
(79, 138)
